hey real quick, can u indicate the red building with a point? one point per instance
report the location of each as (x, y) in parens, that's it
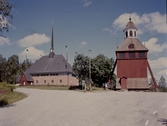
(131, 60)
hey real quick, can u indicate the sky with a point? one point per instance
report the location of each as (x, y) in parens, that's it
(83, 25)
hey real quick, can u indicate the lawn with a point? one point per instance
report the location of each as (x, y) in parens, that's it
(8, 95)
(52, 87)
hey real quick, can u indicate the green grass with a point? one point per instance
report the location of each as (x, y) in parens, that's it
(8, 96)
(97, 89)
(48, 87)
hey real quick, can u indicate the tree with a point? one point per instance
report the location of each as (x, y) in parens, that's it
(81, 66)
(162, 84)
(2, 68)
(151, 82)
(12, 69)
(100, 68)
(5, 15)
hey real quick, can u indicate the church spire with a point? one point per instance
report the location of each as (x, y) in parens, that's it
(51, 55)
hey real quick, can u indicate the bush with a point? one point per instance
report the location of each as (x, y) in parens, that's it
(3, 102)
(75, 87)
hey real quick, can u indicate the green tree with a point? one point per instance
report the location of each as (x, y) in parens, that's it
(162, 84)
(5, 15)
(81, 66)
(12, 69)
(100, 68)
(2, 68)
(151, 83)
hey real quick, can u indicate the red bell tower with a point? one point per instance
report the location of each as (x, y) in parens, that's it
(131, 60)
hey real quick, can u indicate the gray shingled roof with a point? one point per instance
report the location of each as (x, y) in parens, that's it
(137, 45)
(46, 65)
(28, 76)
(130, 24)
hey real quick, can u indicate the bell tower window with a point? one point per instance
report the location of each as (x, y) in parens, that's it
(131, 46)
(131, 34)
(135, 33)
(126, 34)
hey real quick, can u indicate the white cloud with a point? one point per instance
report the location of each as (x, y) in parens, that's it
(159, 67)
(106, 29)
(32, 54)
(157, 22)
(152, 22)
(4, 41)
(159, 63)
(33, 40)
(163, 73)
(83, 43)
(87, 3)
(153, 47)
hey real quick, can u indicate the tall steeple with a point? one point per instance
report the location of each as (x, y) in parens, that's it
(51, 55)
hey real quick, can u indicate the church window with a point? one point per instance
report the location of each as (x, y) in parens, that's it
(37, 81)
(131, 34)
(52, 81)
(121, 55)
(135, 33)
(126, 34)
(142, 55)
(131, 46)
(131, 55)
(44, 81)
(60, 81)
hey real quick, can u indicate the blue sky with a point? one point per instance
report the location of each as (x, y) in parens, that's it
(84, 25)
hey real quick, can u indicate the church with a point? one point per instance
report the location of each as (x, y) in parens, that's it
(131, 61)
(52, 69)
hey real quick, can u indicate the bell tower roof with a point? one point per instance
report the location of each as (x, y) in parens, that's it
(130, 24)
(131, 43)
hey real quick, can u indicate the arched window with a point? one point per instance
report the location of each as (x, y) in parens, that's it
(126, 34)
(131, 34)
(135, 33)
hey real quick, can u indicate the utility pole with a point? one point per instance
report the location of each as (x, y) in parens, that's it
(67, 66)
(90, 80)
(66, 53)
(26, 59)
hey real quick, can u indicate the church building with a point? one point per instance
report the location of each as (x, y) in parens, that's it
(132, 63)
(52, 69)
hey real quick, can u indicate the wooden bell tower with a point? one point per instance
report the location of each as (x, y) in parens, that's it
(131, 61)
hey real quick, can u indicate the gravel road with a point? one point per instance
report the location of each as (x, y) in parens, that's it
(72, 108)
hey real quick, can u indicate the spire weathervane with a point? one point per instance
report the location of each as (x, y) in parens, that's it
(130, 17)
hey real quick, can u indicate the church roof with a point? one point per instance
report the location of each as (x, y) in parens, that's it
(28, 76)
(125, 46)
(46, 65)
